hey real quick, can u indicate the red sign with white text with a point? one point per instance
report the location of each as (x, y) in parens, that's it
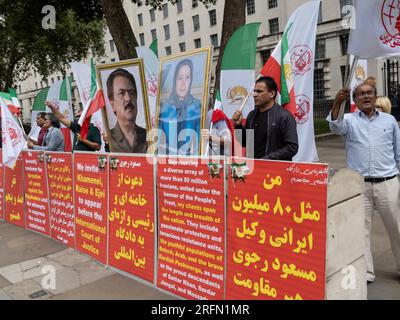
(90, 189)
(14, 194)
(276, 230)
(131, 216)
(191, 228)
(36, 197)
(2, 216)
(59, 176)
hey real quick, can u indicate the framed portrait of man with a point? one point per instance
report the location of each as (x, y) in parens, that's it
(126, 114)
(182, 102)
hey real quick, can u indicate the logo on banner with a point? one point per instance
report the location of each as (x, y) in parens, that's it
(391, 22)
(301, 58)
(237, 94)
(14, 133)
(303, 107)
(86, 95)
(152, 85)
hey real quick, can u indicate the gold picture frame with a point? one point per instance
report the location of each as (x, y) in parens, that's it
(136, 68)
(199, 87)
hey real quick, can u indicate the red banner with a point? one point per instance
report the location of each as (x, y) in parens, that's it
(276, 231)
(191, 228)
(14, 194)
(59, 177)
(36, 197)
(131, 216)
(90, 189)
(2, 216)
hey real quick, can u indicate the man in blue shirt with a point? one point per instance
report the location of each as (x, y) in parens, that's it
(372, 141)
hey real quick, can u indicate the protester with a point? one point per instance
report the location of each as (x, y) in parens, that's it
(275, 132)
(53, 139)
(40, 121)
(93, 140)
(372, 141)
(126, 136)
(180, 115)
(383, 104)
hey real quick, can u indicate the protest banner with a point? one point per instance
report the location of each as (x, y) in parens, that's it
(191, 228)
(2, 212)
(277, 231)
(14, 194)
(59, 177)
(36, 196)
(90, 191)
(131, 216)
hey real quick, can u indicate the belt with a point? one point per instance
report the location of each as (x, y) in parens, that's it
(377, 180)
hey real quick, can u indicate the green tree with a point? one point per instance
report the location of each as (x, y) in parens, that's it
(79, 26)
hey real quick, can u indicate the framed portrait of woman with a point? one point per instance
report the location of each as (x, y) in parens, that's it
(182, 102)
(126, 115)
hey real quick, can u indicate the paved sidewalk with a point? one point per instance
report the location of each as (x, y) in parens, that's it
(23, 254)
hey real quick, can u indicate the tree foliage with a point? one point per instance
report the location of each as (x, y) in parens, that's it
(79, 26)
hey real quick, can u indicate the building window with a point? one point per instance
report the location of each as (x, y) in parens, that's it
(265, 54)
(112, 47)
(197, 43)
(181, 28)
(36, 86)
(58, 78)
(251, 7)
(345, 12)
(214, 40)
(272, 4)
(179, 6)
(167, 32)
(182, 47)
(344, 41)
(152, 15)
(153, 34)
(195, 3)
(140, 19)
(52, 80)
(113, 60)
(196, 23)
(168, 50)
(273, 26)
(319, 84)
(213, 17)
(165, 10)
(34, 73)
(141, 37)
(320, 50)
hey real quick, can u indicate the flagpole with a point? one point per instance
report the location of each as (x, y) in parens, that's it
(347, 84)
(22, 127)
(250, 92)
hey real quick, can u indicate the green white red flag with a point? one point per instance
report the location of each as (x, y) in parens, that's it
(237, 69)
(91, 96)
(58, 93)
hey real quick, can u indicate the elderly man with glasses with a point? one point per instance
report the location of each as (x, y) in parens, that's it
(372, 141)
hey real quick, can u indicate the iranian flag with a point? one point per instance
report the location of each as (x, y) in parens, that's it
(292, 67)
(91, 95)
(12, 136)
(60, 94)
(377, 30)
(8, 100)
(219, 115)
(237, 69)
